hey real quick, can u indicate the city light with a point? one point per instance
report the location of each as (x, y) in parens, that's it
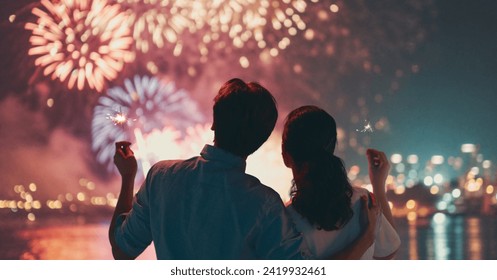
(434, 189)
(428, 181)
(412, 159)
(396, 158)
(410, 204)
(490, 189)
(439, 218)
(468, 148)
(399, 189)
(438, 178)
(400, 167)
(437, 159)
(456, 193)
(412, 216)
(442, 205)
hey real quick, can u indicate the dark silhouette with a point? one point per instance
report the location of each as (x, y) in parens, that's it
(324, 204)
(207, 207)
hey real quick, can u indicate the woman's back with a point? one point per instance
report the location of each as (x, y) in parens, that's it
(324, 203)
(323, 243)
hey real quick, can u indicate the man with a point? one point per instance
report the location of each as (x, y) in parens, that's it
(207, 207)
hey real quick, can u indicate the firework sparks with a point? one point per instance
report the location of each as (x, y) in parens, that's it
(83, 43)
(196, 137)
(157, 145)
(155, 23)
(367, 127)
(144, 104)
(352, 53)
(169, 143)
(213, 26)
(242, 20)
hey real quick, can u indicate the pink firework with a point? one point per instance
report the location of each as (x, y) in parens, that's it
(83, 43)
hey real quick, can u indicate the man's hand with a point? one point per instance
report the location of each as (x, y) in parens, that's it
(125, 161)
(371, 211)
(378, 173)
(355, 250)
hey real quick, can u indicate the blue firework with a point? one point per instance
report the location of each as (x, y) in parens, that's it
(143, 103)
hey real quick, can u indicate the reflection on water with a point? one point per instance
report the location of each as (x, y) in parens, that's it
(413, 243)
(474, 238)
(66, 242)
(61, 242)
(439, 238)
(449, 238)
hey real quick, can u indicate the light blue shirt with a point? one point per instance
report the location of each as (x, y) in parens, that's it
(207, 207)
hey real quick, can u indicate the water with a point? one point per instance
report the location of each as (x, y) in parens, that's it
(447, 237)
(70, 240)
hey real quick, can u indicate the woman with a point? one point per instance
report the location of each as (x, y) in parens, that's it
(324, 205)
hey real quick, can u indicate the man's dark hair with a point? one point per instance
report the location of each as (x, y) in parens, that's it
(244, 117)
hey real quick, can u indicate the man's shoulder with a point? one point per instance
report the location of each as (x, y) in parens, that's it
(172, 164)
(260, 190)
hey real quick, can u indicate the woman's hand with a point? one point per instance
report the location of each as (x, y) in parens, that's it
(125, 161)
(378, 173)
(378, 169)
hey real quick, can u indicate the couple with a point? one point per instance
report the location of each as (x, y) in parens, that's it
(206, 207)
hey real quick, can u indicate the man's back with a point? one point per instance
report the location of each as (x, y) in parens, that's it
(207, 208)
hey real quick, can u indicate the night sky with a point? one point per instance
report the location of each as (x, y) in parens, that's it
(454, 97)
(450, 101)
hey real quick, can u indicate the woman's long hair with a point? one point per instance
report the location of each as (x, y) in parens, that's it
(321, 191)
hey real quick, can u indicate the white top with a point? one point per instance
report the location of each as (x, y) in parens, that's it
(206, 207)
(323, 243)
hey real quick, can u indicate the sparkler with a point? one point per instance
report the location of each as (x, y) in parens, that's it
(119, 118)
(83, 43)
(366, 127)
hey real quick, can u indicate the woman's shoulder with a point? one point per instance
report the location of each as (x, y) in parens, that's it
(357, 193)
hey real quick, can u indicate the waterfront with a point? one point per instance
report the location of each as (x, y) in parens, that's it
(441, 237)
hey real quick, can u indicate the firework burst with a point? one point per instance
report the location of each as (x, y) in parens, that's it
(83, 43)
(245, 20)
(203, 27)
(155, 23)
(142, 106)
(157, 145)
